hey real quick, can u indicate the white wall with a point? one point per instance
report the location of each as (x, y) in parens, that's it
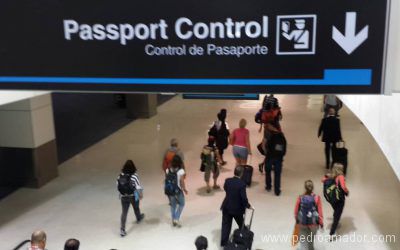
(393, 55)
(26, 123)
(381, 114)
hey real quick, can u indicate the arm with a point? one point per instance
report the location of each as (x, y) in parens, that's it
(342, 183)
(284, 139)
(340, 131)
(319, 207)
(248, 142)
(183, 184)
(138, 187)
(243, 196)
(321, 127)
(232, 138)
(296, 209)
(288, 36)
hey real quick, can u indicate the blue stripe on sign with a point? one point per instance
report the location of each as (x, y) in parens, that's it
(331, 77)
(219, 96)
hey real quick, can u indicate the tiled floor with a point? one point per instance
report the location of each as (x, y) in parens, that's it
(83, 201)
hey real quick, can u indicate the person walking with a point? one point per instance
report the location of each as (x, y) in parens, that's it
(72, 244)
(201, 243)
(240, 140)
(175, 189)
(234, 205)
(210, 159)
(308, 215)
(331, 134)
(332, 101)
(170, 153)
(271, 100)
(130, 192)
(38, 240)
(275, 151)
(338, 205)
(220, 131)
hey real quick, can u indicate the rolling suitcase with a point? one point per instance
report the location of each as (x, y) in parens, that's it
(339, 155)
(247, 174)
(244, 236)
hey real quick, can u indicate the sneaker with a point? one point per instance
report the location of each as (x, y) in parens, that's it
(174, 223)
(122, 233)
(140, 218)
(178, 225)
(216, 187)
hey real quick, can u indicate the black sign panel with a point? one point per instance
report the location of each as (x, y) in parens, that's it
(224, 46)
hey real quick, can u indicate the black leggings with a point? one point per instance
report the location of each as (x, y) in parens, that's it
(329, 147)
(337, 213)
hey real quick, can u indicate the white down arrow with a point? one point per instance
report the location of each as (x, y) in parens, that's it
(350, 41)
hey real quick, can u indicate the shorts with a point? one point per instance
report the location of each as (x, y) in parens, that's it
(240, 152)
(208, 170)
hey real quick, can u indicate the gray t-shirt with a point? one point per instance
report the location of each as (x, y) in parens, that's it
(331, 100)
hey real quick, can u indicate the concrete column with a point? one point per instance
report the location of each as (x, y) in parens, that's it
(141, 105)
(28, 152)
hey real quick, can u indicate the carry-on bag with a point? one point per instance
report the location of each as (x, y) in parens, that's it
(244, 236)
(247, 174)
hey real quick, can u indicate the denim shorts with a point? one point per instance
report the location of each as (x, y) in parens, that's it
(240, 152)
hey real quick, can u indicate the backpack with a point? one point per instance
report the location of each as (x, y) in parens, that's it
(171, 183)
(168, 159)
(125, 185)
(308, 214)
(332, 192)
(278, 147)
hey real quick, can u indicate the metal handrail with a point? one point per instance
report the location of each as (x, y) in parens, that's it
(21, 244)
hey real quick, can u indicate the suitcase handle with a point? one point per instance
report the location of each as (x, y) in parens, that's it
(251, 218)
(338, 144)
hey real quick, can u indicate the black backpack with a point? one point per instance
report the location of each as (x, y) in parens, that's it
(171, 183)
(332, 192)
(125, 185)
(278, 146)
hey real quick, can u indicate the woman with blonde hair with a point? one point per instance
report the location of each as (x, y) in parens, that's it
(308, 215)
(240, 140)
(338, 205)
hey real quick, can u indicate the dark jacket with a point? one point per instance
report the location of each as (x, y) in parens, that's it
(276, 146)
(330, 129)
(235, 202)
(221, 135)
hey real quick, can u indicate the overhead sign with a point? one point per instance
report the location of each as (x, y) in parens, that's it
(225, 46)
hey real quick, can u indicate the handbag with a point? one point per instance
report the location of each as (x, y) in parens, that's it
(202, 167)
(295, 235)
(261, 148)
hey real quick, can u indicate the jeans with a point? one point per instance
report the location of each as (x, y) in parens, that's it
(125, 202)
(227, 225)
(277, 164)
(329, 147)
(177, 204)
(308, 234)
(337, 213)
